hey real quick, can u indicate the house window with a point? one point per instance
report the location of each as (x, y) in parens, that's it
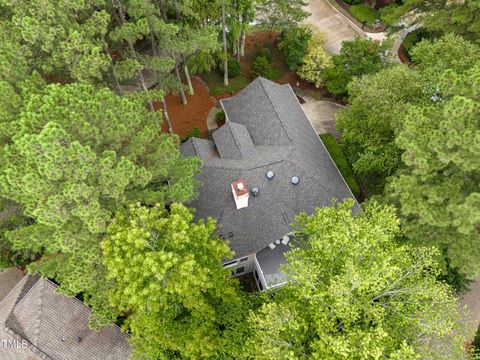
(244, 259)
(240, 270)
(230, 263)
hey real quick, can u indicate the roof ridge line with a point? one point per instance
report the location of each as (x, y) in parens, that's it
(39, 311)
(235, 139)
(275, 109)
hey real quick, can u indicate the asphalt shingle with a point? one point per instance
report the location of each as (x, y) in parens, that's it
(286, 143)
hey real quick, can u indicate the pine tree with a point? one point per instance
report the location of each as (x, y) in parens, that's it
(78, 154)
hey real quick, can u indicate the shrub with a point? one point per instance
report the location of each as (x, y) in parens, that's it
(220, 117)
(353, 2)
(194, 132)
(364, 13)
(266, 52)
(293, 44)
(261, 67)
(233, 68)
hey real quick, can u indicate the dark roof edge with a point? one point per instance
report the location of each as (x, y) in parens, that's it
(323, 145)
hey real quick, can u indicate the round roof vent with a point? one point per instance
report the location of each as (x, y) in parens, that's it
(255, 191)
(295, 180)
(270, 174)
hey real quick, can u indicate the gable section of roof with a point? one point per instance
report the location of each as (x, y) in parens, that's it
(233, 141)
(259, 116)
(204, 149)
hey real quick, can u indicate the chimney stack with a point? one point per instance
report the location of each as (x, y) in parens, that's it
(240, 193)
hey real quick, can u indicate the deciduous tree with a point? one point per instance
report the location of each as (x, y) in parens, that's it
(281, 13)
(369, 123)
(170, 280)
(357, 58)
(355, 293)
(316, 61)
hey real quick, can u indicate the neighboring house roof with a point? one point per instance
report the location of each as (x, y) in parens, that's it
(54, 326)
(282, 140)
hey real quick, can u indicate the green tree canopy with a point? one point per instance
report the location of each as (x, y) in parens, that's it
(458, 17)
(281, 13)
(369, 123)
(354, 293)
(437, 192)
(169, 278)
(315, 61)
(378, 103)
(77, 154)
(63, 36)
(357, 57)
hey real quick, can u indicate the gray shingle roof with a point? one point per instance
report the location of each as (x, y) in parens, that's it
(233, 141)
(55, 326)
(286, 143)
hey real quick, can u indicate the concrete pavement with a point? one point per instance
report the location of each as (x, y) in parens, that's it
(335, 25)
(322, 115)
(332, 23)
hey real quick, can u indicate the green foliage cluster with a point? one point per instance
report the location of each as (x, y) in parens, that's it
(415, 37)
(315, 61)
(357, 58)
(415, 144)
(261, 67)
(79, 153)
(443, 16)
(233, 68)
(338, 157)
(169, 279)
(220, 116)
(353, 2)
(293, 43)
(280, 14)
(364, 13)
(355, 293)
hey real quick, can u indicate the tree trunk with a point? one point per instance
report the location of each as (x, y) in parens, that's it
(224, 36)
(179, 79)
(118, 88)
(165, 115)
(187, 76)
(133, 53)
(242, 43)
(153, 43)
(238, 49)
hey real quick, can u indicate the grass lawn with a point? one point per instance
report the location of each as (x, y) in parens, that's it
(337, 155)
(365, 13)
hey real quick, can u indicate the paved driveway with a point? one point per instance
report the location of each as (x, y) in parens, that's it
(332, 23)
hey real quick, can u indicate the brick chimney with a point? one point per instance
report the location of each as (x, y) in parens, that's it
(240, 193)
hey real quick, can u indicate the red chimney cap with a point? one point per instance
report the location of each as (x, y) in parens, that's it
(240, 187)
